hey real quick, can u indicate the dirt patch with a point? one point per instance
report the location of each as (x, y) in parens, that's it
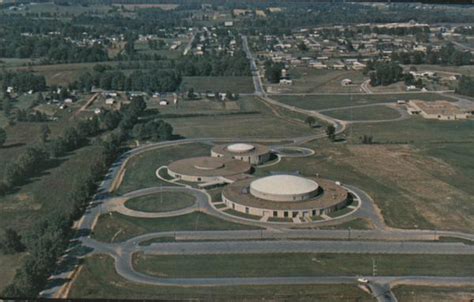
(415, 177)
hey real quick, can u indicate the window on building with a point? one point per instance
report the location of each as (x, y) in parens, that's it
(275, 213)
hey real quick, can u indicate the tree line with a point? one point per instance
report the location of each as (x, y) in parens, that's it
(447, 55)
(48, 240)
(23, 81)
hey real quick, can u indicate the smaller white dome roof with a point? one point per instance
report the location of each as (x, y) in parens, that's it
(283, 187)
(240, 148)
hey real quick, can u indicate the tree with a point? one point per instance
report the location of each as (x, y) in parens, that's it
(3, 136)
(302, 46)
(331, 132)
(12, 244)
(45, 132)
(310, 121)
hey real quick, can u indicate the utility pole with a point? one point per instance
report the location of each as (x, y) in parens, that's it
(374, 267)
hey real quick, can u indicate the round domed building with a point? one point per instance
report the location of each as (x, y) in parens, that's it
(207, 169)
(255, 154)
(285, 196)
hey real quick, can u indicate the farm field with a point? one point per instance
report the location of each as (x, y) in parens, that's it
(98, 279)
(115, 227)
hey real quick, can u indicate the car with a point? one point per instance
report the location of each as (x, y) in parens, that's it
(362, 280)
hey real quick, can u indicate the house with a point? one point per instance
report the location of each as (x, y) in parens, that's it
(97, 111)
(164, 103)
(68, 101)
(286, 82)
(346, 82)
(358, 66)
(10, 89)
(109, 101)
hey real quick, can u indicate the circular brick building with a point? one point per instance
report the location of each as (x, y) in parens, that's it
(207, 169)
(285, 196)
(254, 154)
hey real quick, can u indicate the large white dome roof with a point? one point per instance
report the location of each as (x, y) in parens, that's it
(283, 187)
(240, 148)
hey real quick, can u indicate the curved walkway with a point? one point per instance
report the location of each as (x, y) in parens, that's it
(118, 204)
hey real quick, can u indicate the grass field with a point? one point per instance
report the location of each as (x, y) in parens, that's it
(364, 114)
(52, 8)
(262, 125)
(98, 279)
(141, 169)
(116, 227)
(293, 265)
(237, 84)
(61, 74)
(318, 102)
(162, 202)
(310, 80)
(432, 294)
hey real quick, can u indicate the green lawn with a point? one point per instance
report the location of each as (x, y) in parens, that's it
(117, 227)
(318, 102)
(293, 265)
(161, 202)
(141, 169)
(234, 84)
(364, 114)
(98, 280)
(432, 294)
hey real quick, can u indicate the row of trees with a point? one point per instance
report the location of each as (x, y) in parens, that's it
(147, 80)
(466, 86)
(273, 71)
(384, 73)
(23, 81)
(214, 65)
(55, 50)
(447, 55)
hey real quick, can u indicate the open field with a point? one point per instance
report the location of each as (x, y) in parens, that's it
(432, 294)
(204, 106)
(240, 84)
(416, 186)
(116, 227)
(14, 62)
(98, 279)
(318, 102)
(292, 265)
(310, 80)
(162, 202)
(61, 74)
(145, 6)
(261, 125)
(140, 171)
(364, 114)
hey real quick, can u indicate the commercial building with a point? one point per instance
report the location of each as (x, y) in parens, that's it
(254, 154)
(441, 110)
(285, 196)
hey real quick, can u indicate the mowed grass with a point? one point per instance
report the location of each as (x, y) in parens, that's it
(319, 102)
(234, 84)
(161, 202)
(8, 265)
(116, 227)
(432, 294)
(140, 170)
(372, 113)
(98, 280)
(294, 265)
